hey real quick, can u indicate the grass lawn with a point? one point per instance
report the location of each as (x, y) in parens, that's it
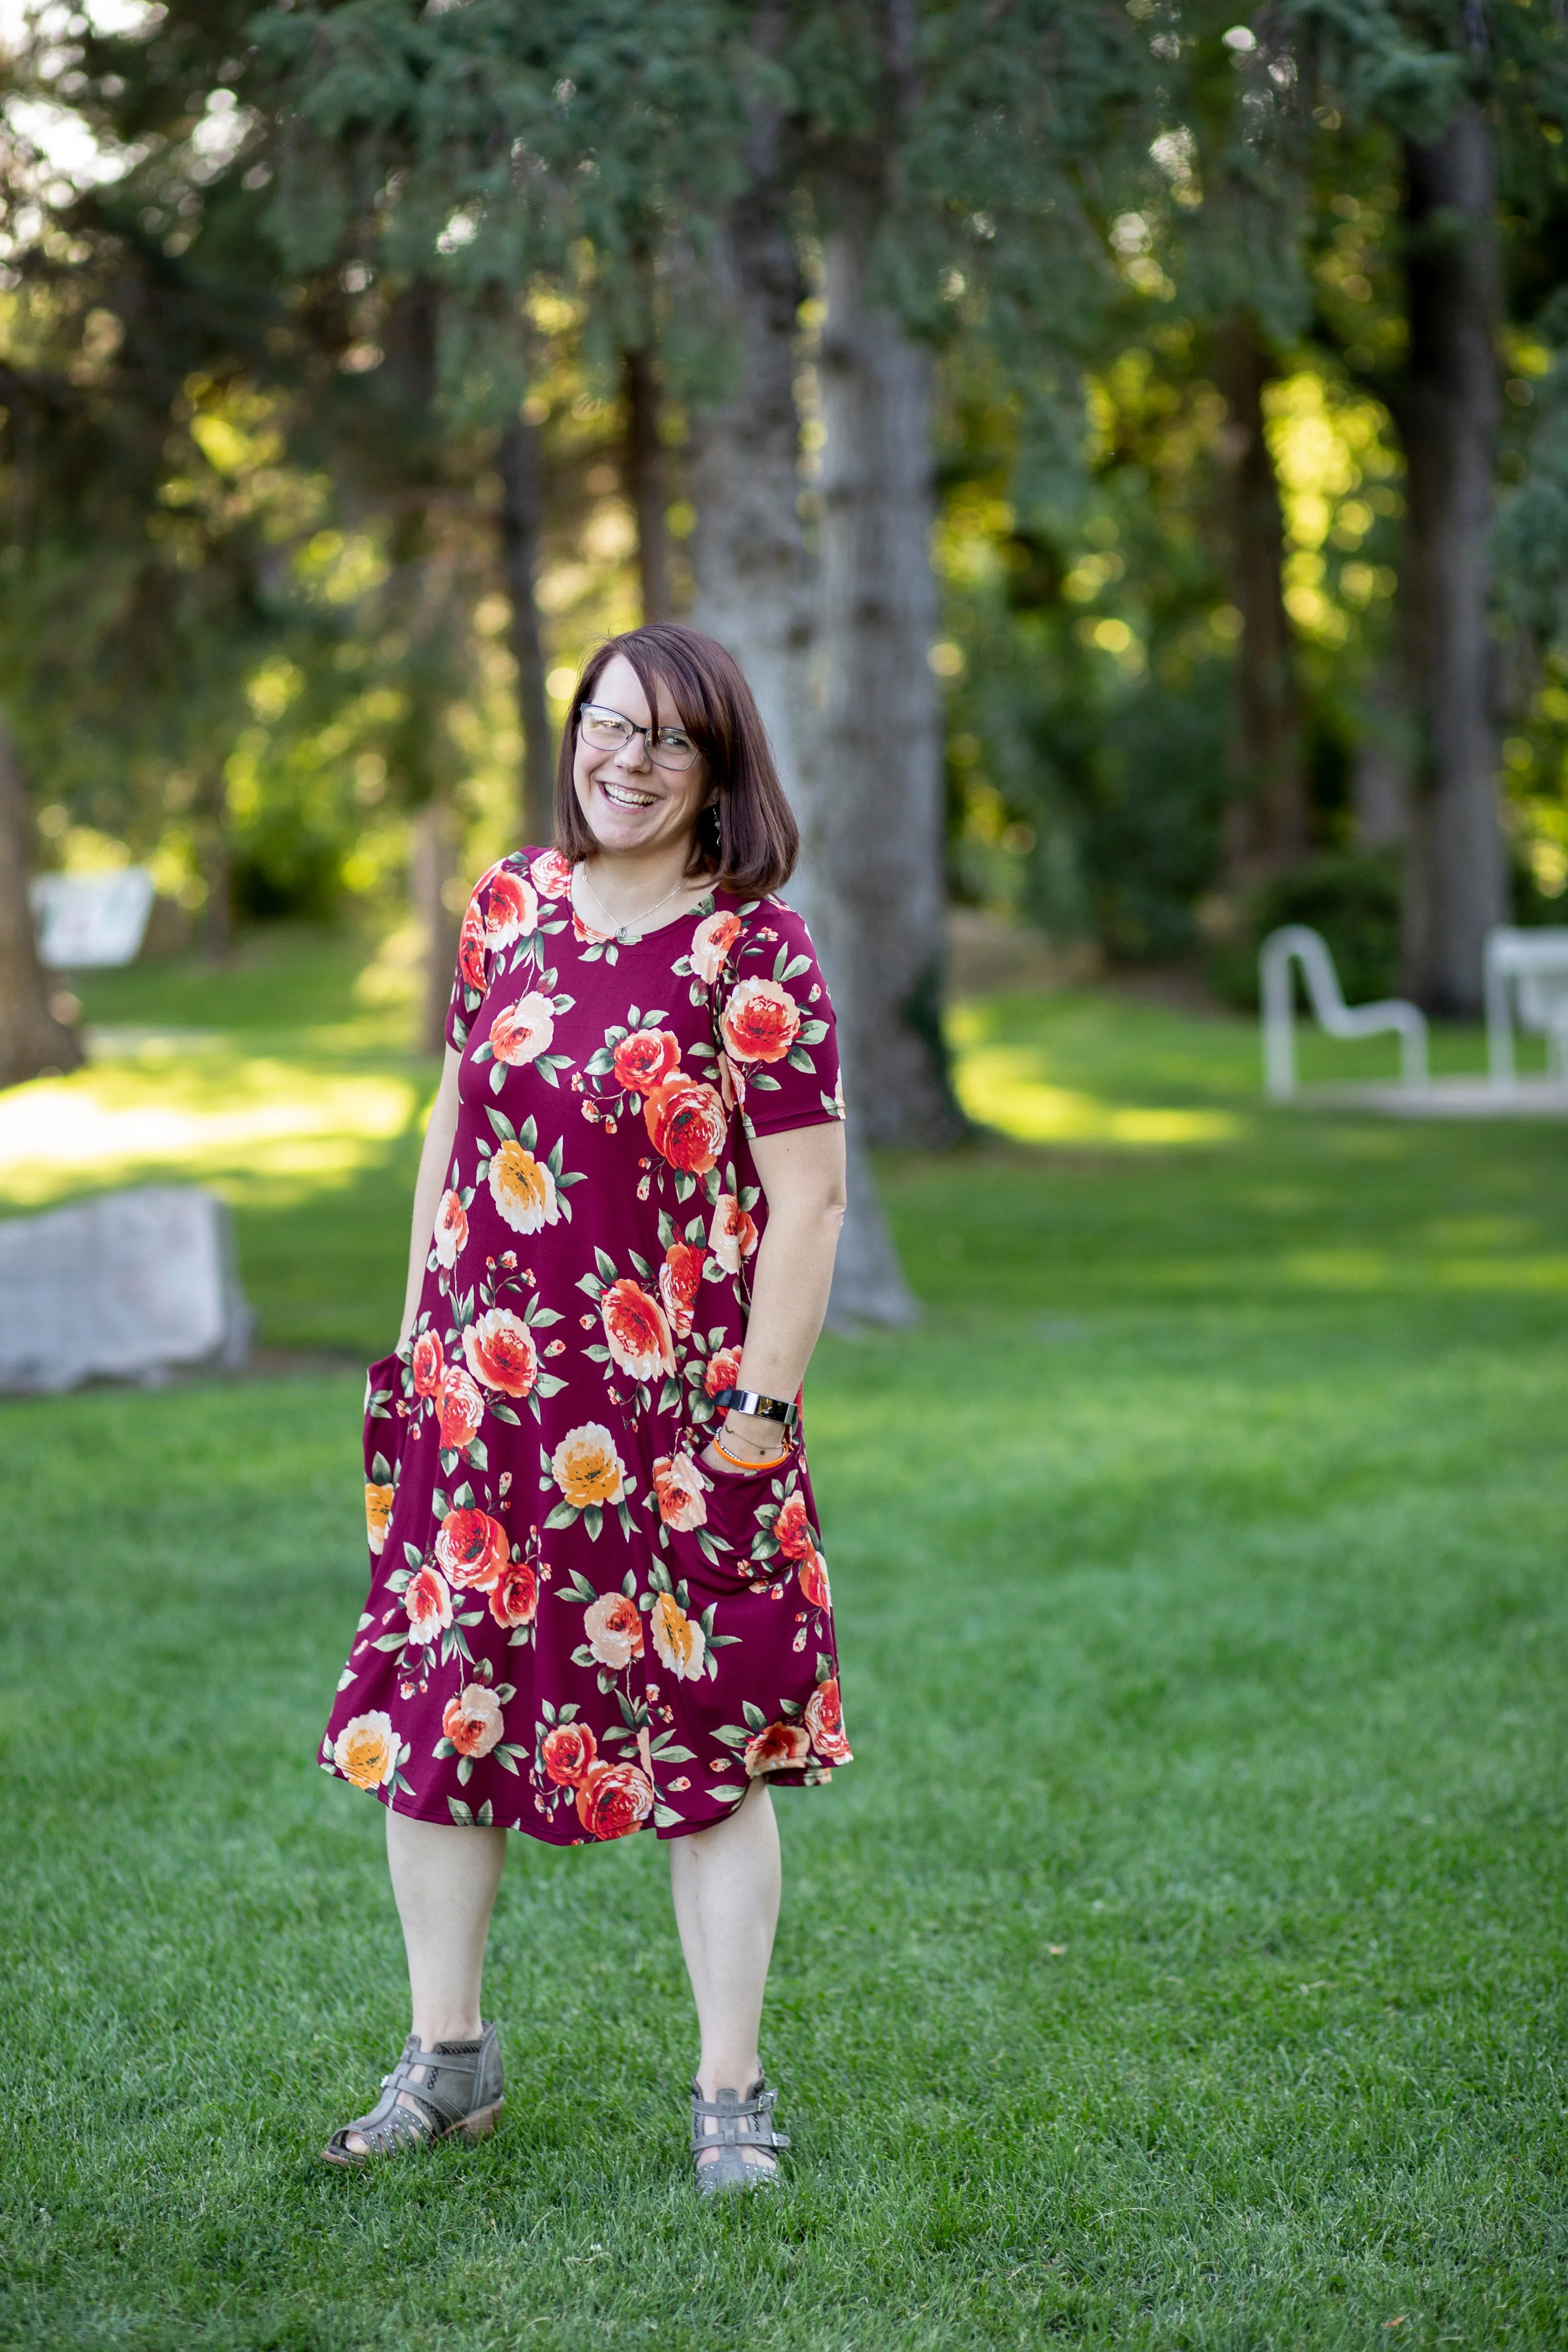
(1180, 1965)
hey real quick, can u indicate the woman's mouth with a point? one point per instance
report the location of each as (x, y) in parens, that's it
(626, 796)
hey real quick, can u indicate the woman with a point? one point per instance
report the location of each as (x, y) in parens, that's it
(597, 1601)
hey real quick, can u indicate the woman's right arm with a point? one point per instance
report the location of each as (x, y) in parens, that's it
(429, 1185)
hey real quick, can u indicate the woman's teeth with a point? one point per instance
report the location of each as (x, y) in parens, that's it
(623, 798)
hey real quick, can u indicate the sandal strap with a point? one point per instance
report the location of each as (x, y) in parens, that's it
(740, 2123)
(460, 2076)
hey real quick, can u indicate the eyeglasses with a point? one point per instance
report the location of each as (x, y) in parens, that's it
(608, 731)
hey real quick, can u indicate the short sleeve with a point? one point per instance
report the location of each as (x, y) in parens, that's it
(504, 908)
(776, 1026)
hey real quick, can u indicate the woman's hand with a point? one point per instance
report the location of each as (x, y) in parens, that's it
(751, 1439)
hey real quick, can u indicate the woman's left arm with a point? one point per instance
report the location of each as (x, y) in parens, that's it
(802, 1177)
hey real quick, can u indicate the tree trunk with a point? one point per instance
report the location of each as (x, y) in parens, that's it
(1457, 879)
(430, 869)
(1267, 825)
(874, 887)
(32, 1041)
(644, 480)
(522, 533)
(754, 588)
(754, 584)
(1380, 776)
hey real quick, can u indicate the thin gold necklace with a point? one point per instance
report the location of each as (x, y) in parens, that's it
(622, 932)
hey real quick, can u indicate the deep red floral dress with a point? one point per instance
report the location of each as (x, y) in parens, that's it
(572, 1628)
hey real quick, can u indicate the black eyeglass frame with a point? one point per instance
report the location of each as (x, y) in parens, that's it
(648, 734)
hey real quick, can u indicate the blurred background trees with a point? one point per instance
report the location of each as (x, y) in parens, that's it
(1126, 443)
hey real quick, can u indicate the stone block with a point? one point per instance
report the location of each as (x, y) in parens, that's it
(131, 1285)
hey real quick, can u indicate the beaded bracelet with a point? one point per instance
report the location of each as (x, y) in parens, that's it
(736, 1464)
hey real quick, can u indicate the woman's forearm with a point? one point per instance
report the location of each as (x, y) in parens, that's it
(429, 1186)
(794, 1274)
(802, 1174)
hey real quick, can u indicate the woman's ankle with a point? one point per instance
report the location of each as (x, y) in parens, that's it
(446, 2025)
(726, 2074)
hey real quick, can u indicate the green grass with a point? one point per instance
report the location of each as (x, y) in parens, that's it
(1179, 1966)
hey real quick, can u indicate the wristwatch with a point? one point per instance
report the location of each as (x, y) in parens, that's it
(763, 1408)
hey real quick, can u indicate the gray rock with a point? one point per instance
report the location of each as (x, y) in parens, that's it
(131, 1286)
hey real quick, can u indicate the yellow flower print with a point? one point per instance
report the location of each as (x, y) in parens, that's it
(377, 1513)
(587, 1468)
(366, 1750)
(522, 1188)
(678, 1638)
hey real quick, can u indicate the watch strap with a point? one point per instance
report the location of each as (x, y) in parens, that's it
(762, 1408)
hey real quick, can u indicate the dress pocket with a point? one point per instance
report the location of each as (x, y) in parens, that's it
(731, 1547)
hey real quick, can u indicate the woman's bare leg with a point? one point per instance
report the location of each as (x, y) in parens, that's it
(443, 1880)
(725, 1882)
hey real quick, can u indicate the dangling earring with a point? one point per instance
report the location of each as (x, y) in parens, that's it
(715, 830)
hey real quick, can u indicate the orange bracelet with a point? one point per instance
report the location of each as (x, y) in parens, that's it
(734, 1465)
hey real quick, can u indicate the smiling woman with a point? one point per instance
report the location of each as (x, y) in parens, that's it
(599, 1603)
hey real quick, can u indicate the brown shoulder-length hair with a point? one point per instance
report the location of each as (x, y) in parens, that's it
(747, 838)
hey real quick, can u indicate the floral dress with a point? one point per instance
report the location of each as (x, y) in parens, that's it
(573, 1628)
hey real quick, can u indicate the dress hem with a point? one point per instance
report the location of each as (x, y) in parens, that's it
(821, 1775)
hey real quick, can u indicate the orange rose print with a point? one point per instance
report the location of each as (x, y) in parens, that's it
(733, 1235)
(567, 1753)
(501, 1352)
(473, 1722)
(678, 1484)
(366, 1750)
(680, 1279)
(472, 1548)
(460, 1407)
(614, 1631)
(522, 1188)
(521, 1032)
(471, 948)
(551, 875)
(613, 1800)
(779, 1748)
(514, 1595)
(686, 1124)
(427, 1363)
(812, 1573)
(710, 945)
(792, 1530)
(636, 1331)
(824, 1721)
(645, 1059)
(451, 1230)
(759, 1022)
(377, 1513)
(512, 910)
(722, 1370)
(428, 1601)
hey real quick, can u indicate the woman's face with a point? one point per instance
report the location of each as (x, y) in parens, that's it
(632, 805)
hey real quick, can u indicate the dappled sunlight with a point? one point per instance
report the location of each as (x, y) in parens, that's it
(1013, 1089)
(184, 1107)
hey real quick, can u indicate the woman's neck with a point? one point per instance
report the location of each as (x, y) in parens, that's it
(629, 888)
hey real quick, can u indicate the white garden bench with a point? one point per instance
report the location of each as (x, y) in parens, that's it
(1296, 943)
(1527, 977)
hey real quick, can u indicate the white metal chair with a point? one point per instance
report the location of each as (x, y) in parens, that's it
(1526, 975)
(1296, 943)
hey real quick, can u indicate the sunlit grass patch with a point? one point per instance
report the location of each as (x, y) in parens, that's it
(197, 1111)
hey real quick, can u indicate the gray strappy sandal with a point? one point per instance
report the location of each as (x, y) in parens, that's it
(741, 2124)
(461, 2091)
